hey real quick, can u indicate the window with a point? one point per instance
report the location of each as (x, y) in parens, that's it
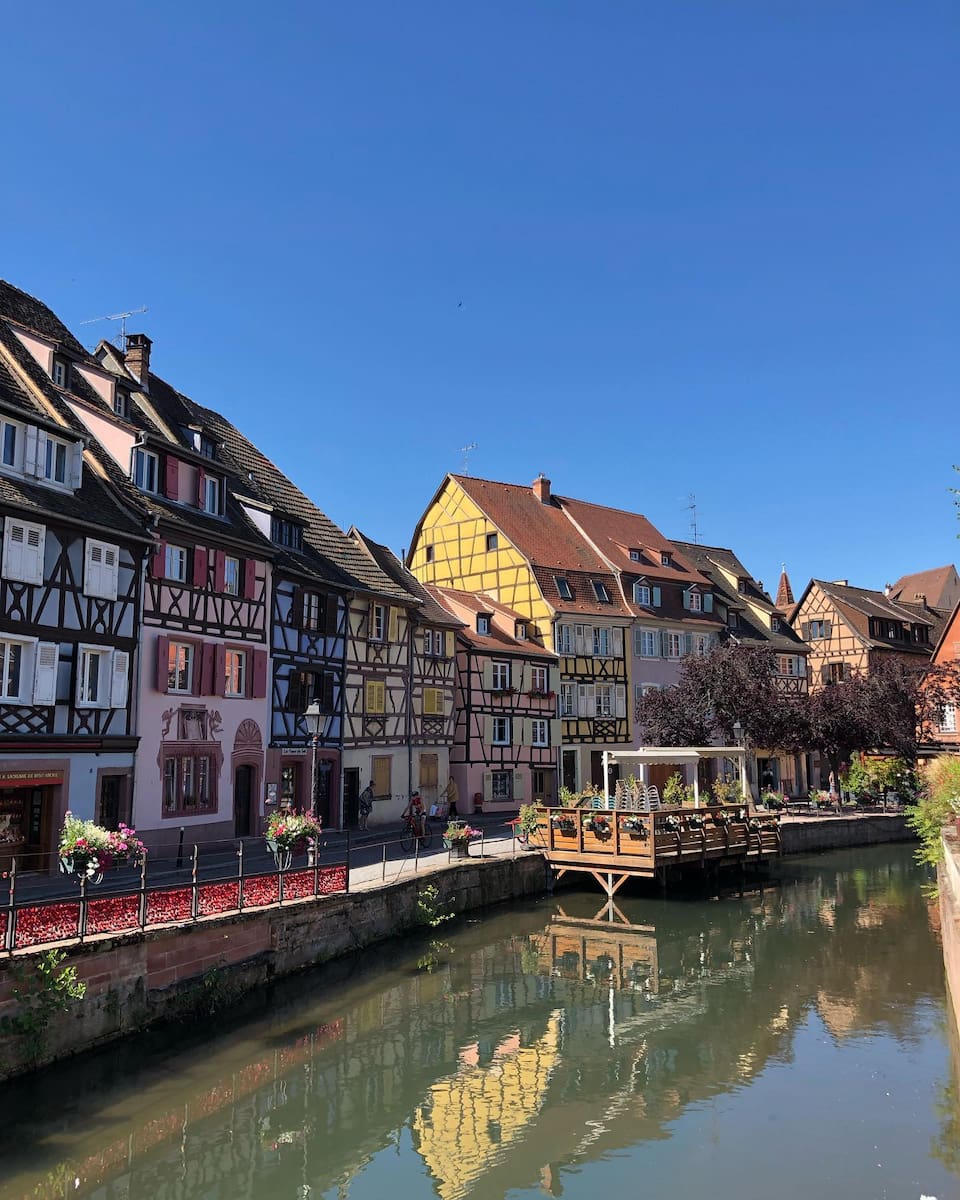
(311, 687)
(492, 541)
(211, 496)
(205, 446)
(567, 706)
(188, 785)
(835, 672)
(13, 673)
(100, 570)
(235, 681)
(539, 732)
(790, 664)
(538, 679)
(10, 444)
(501, 677)
(501, 785)
(23, 546)
(483, 624)
(893, 630)
(920, 633)
(701, 644)
(175, 563)
(121, 403)
(146, 470)
(600, 591)
(636, 556)
(311, 611)
(646, 643)
(378, 622)
(93, 678)
(286, 533)
(742, 586)
(819, 629)
(428, 553)
(774, 624)
(601, 642)
(289, 785)
(948, 718)
(665, 558)
(501, 731)
(563, 588)
(694, 601)
(433, 702)
(674, 645)
(641, 594)
(60, 372)
(604, 700)
(231, 575)
(733, 620)
(54, 466)
(375, 696)
(565, 639)
(520, 631)
(180, 667)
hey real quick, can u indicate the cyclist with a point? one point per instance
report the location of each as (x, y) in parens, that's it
(414, 813)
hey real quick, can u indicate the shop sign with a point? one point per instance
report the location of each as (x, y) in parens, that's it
(11, 779)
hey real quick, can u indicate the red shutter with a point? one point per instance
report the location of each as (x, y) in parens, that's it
(203, 677)
(259, 674)
(199, 567)
(219, 687)
(171, 477)
(219, 569)
(249, 579)
(163, 664)
(158, 563)
(201, 480)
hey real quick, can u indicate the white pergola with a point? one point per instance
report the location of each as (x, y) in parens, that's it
(680, 756)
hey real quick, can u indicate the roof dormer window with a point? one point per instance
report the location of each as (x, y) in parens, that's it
(212, 496)
(563, 588)
(666, 558)
(635, 555)
(520, 631)
(146, 470)
(205, 445)
(121, 403)
(483, 624)
(61, 372)
(774, 624)
(600, 591)
(286, 533)
(742, 586)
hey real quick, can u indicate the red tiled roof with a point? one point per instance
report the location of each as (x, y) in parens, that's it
(616, 533)
(466, 605)
(935, 584)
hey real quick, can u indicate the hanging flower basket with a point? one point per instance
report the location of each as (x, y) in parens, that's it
(672, 823)
(695, 821)
(564, 825)
(599, 825)
(458, 837)
(288, 833)
(87, 849)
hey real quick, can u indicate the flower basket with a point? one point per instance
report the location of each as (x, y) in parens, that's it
(672, 824)
(567, 826)
(87, 849)
(598, 824)
(636, 827)
(288, 833)
(458, 837)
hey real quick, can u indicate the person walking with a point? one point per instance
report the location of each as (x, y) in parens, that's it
(451, 795)
(366, 804)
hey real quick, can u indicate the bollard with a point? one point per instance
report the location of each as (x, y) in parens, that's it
(240, 876)
(195, 901)
(180, 850)
(383, 875)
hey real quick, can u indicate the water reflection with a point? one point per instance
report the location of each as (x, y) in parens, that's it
(542, 1043)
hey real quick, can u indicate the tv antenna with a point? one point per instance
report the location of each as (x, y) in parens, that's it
(122, 318)
(465, 451)
(692, 509)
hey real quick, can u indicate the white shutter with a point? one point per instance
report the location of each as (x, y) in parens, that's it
(686, 598)
(45, 673)
(587, 705)
(688, 644)
(708, 601)
(487, 675)
(75, 474)
(118, 679)
(23, 551)
(93, 569)
(581, 699)
(618, 643)
(111, 571)
(30, 450)
(522, 732)
(579, 639)
(488, 731)
(487, 786)
(40, 462)
(621, 700)
(588, 644)
(518, 785)
(14, 537)
(451, 644)
(656, 597)
(33, 554)
(556, 732)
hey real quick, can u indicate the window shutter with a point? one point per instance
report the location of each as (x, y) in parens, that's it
(45, 673)
(487, 786)
(75, 473)
(556, 733)
(30, 450)
(656, 597)
(824, 673)
(686, 598)
(158, 560)
(618, 643)
(249, 578)
(118, 679)
(451, 645)
(579, 639)
(523, 731)
(201, 485)
(200, 566)
(201, 682)
(92, 568)
(488, 731)
(220, 671)
(371, 626)
(518, 674)
(33, 554)
(393, 630)
(219, 570)
(621, 700)
(827, 628)
(163, 664)
(688, 644)
(518, 785)
(662, 637)
(259, 674)
(78, 676)
(111, 571)
(806, 631)
(487, 675)
(331, 614)
(708, 601)
(294, 700)
(326, 699)
(171, 472)
(296, 608)
(14, 536)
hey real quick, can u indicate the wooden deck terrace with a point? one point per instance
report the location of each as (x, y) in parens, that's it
(614, 845)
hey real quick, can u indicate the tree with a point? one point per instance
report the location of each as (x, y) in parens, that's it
(839, 720)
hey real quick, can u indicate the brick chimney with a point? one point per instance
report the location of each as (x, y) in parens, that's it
(541, 488)
(137, 357)
(887, 589)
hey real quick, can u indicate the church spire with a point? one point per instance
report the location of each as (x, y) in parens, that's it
(784, 591)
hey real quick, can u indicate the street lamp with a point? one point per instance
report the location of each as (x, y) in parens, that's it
(315, 718)
(737, 733)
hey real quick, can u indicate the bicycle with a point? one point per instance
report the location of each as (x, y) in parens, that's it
(410, 834)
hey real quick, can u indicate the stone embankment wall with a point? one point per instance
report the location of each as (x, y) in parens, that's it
(948, 877)
(840, 833)
(134, 980)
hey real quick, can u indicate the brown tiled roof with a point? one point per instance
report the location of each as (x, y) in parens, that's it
(430, 611)
(467, 605)
(938, 585)
(33, 315)
(857, 605)
(615, 532)
(784, 592)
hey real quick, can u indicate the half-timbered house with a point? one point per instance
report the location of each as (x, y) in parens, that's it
(507, 730)
(517, 544)
(70, 572)
(946, 653)
(399, 710)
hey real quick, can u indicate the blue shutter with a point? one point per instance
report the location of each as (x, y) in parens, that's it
(708, 601)
(656, 597)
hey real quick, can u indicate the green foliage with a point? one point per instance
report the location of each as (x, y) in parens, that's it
(215, 990)
(431, 910)
(42, 988)
(568, 798)
(529, 819)
(676, 792)
(724, 792)
(937, 804)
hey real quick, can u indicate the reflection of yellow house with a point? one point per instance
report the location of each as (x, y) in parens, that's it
(471, 1117)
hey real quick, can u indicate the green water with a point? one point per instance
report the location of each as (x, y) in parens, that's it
(787, 1043)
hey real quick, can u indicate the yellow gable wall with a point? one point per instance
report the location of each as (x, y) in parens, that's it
(457, 529)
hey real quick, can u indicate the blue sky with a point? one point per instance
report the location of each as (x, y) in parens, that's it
(651, 249)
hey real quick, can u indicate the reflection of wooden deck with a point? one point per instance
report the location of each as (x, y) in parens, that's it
(614, 845)
(619, 956)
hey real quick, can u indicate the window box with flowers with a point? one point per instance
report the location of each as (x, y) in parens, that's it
(458, 836)
(87, 850)
(533, 694)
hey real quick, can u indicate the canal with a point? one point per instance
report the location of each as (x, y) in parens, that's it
(790, 1042)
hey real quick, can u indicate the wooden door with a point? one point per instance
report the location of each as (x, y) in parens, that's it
(351, 796)
(429, 778)
(381, 776)
(242, 800)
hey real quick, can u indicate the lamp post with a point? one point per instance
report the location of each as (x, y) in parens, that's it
(314, 718)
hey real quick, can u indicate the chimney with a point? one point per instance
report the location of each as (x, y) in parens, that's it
(887, 589)
(137, 357)
(541, 488)
(921, 598)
